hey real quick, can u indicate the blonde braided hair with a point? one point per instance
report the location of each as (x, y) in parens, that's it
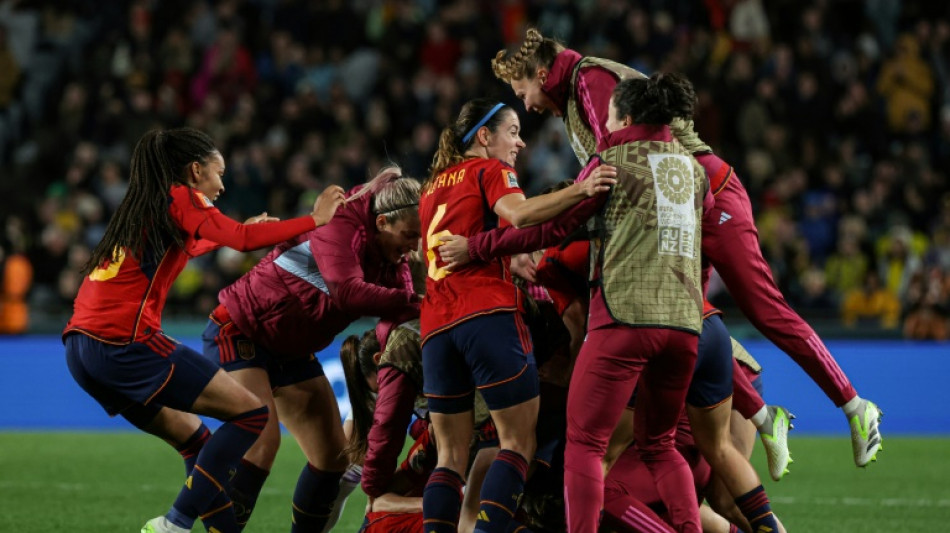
(536, 51)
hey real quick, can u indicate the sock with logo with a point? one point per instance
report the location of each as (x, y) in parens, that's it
(503, 485)
(204, 492)
(245, 487)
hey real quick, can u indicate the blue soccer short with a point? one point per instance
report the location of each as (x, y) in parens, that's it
(225, 345)
(491, 352)
(137, 379)
(712, 377)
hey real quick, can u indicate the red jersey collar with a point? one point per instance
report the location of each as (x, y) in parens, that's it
(637, 132)
(558, 84)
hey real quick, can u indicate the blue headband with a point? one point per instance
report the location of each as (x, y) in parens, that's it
(481, 122)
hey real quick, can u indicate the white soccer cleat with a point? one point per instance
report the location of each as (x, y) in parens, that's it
(865, 435)
(161, 524)
(774, 435)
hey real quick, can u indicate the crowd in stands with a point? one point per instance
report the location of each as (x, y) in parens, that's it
(836, 115)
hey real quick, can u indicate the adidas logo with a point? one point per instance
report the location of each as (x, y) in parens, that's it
(724, 217)
(483, 516)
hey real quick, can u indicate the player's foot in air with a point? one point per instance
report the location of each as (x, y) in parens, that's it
(865, 435)
(162, 525)
(774, 435)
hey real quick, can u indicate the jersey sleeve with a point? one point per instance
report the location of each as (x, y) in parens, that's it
(210, 229)
(499, 180)
(189, 209)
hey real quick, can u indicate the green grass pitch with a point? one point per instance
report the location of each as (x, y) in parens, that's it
(114, 482)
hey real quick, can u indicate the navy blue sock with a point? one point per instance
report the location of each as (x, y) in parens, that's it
(246, 485)
(204, 492)
(313, 499)
(501, 490)
(442, 501)
(191, 447)
(755, 507)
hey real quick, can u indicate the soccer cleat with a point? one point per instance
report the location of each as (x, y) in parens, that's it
(865, 435)
(161, 524)
(774, 435)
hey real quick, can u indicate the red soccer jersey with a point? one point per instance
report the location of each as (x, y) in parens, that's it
(460, 201)
(563, 272)
(122, 301)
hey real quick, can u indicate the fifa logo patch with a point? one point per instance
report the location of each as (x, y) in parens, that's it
(245, 350)
(511, 179)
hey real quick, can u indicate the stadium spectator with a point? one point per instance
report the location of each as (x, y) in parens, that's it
(146, 56)
(872, 302)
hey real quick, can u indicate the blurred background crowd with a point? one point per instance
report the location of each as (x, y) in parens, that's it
(835, 113)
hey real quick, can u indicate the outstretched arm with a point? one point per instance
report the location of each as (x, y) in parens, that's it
(500, 242)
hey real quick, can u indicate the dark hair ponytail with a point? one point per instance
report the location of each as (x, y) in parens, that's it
(141, 224)
(655, 100)
(356, 356)
(453, 142)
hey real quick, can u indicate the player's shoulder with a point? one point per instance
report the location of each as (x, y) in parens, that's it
(497, 167)
(184, 196)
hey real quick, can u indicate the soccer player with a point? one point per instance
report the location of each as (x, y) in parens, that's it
(646, 306)
(472, 185)
(115, 347)
(546, 76)
(272, 320)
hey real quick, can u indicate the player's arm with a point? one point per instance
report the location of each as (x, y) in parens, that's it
(387, 435)
(336, 249)
(500, 242)
(524, 212)
(262, 231)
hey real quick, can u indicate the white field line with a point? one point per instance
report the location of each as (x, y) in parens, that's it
(862, 502)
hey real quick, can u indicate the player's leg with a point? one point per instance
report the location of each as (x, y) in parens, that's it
(503, 369)
(244, 416)
(251, 472)
(476, 476)
(450, 391)
(247, 363)
(608, 367)
(733, 248)
(309, 411)
(660, 399)
(709, 407)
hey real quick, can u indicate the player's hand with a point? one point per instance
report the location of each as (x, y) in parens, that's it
(263, 217)
(600, 180)
(327, 203)
(454, 251)
(523, 266)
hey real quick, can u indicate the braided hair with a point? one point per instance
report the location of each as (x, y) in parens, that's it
(536, 51)
(142, 224)
(451, 145)
(655, 100)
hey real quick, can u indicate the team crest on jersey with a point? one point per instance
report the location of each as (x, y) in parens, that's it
(511, 179)
(205, 201)
(245, 350)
